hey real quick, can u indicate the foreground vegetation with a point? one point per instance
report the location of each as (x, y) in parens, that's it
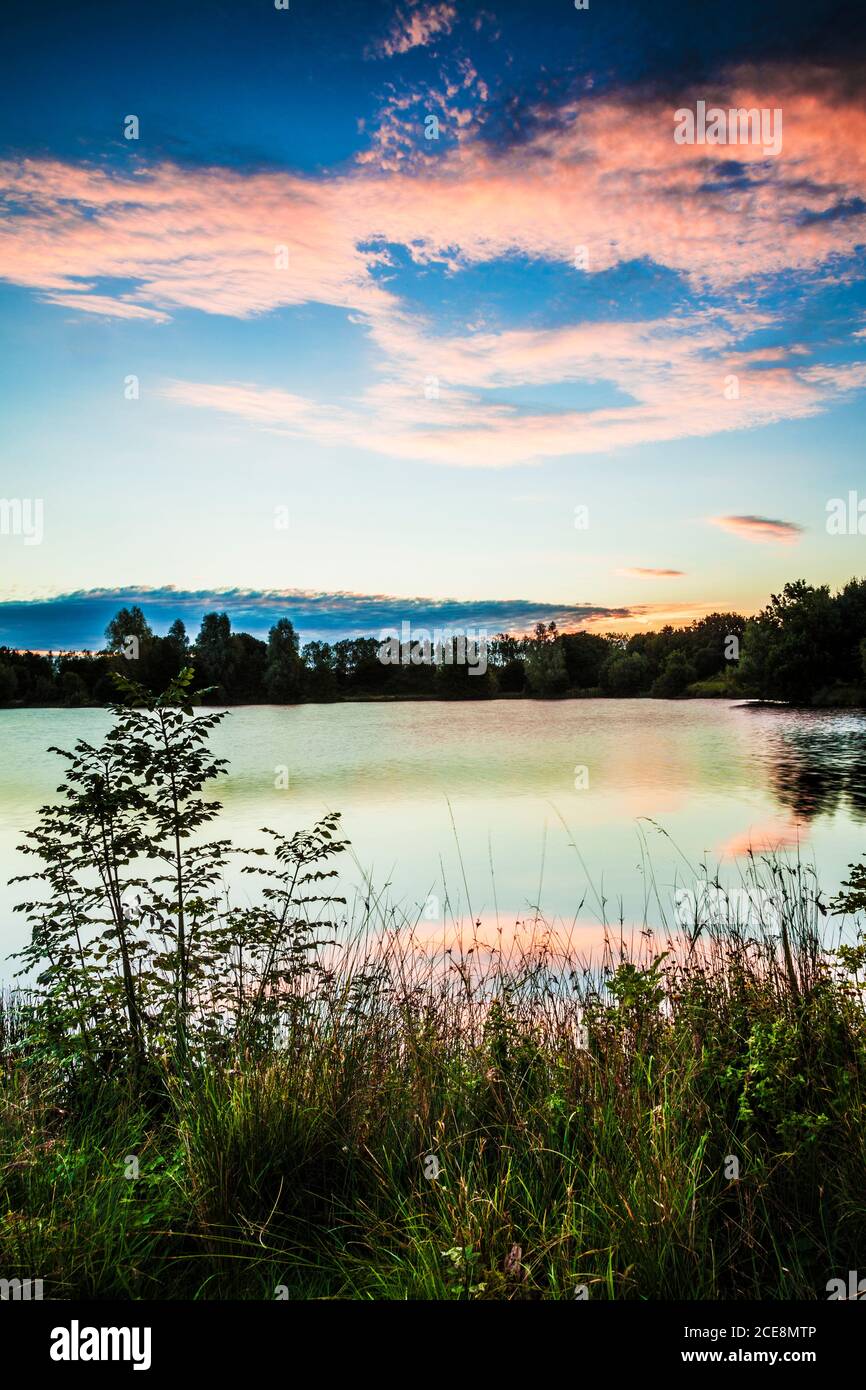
(270, 1101)
(807, 646)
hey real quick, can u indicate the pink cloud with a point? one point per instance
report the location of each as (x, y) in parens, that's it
(269, 408)
(106, 305)
(759, 528)
(657, 614)
(643, 573)
(417, 28)
(605, 175)
(427, 406)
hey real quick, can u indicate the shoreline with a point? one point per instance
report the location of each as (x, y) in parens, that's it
(744, 701)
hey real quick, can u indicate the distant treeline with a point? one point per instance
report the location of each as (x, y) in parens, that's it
(808, 646)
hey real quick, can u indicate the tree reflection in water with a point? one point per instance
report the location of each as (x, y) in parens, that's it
(817, 766)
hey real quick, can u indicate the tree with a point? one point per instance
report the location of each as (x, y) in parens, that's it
(850, 603)
(546, 672)
(506, 658)
(585, 654)
(128, 622)
(627, 675)
(284, 669)
(753, 672)
(72, 689)
(793, 647)
(249, 657)
(133, 950)
(357, 666)
(320, 680)
(8, 683)
(706, 642)
(464, 670)
(214, 656)
(678, 673)
(177, 637)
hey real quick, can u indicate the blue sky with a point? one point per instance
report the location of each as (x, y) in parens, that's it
(375, 373)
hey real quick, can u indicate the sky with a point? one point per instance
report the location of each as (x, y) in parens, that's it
(360, 313)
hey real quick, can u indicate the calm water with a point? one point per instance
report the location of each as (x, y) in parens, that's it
(715, 777)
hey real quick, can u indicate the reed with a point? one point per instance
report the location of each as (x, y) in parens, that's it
(681, 1117)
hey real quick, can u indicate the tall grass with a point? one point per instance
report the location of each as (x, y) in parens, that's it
(683, 1117)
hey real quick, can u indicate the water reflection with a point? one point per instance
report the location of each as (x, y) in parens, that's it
(816, 765)
(485, 806)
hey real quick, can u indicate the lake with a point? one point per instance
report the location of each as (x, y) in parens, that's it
(554, 805)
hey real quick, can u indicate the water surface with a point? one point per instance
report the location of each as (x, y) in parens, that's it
(555, 804)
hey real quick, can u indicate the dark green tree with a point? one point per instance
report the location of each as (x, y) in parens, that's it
(320, 676)
(214, 656)
(177, 638)
(627, 674)
(8, 683)
(248, 661)
(676, 675)
(128, 622)
(585, 654)
(284, 670)
(546, 672)
(134, 951)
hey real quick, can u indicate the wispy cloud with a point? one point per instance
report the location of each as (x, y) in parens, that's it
(415, 28)
(604, 172)
(606, 167)
(765, 529)
(107, 305)
(640, 572)
(671, 374)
